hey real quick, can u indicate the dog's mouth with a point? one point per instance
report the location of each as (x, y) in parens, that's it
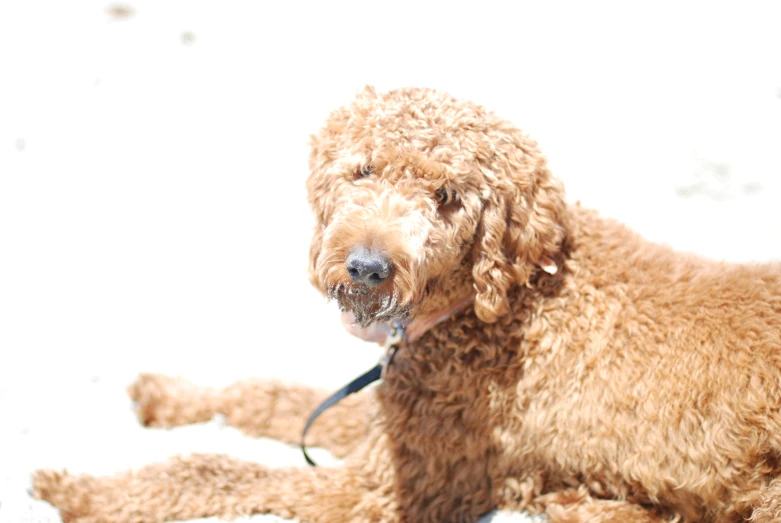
(367, 306)
(415, 325)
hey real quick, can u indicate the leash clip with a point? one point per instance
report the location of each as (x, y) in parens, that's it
(391, 345)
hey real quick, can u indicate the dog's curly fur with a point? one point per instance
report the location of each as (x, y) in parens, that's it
(591, 374)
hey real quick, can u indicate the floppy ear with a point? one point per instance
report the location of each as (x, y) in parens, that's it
(521, 227)
(490, 270)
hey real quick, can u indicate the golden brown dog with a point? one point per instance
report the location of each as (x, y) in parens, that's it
(555, 361)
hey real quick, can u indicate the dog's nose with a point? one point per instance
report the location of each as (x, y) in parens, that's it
(368, 267)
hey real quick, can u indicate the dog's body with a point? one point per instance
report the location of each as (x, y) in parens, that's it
(558, 362)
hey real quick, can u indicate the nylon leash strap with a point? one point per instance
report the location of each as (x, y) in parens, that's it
(374, 374)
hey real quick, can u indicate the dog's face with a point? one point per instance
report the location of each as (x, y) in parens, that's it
(422, 199)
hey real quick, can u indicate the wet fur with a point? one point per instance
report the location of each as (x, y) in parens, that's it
(634, 384)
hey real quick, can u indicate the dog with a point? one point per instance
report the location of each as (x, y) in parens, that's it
(553, 360)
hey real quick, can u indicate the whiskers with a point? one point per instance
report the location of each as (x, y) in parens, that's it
(367, 305)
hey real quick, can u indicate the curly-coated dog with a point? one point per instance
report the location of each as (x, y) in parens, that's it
(555, 361)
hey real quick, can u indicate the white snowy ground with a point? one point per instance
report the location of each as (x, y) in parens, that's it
(152, 166)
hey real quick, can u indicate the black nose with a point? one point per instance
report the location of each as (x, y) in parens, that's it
(368, 267)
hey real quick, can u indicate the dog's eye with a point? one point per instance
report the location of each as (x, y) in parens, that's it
(364, 171)
(444, 196)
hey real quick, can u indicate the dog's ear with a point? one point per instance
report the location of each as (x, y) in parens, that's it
(521, 227)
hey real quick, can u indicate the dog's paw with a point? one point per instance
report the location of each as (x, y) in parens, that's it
(74, 496)
(163, 401)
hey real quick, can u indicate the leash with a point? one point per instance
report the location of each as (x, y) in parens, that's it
(392, 342)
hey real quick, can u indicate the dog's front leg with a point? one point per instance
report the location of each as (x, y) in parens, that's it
(214, 485)
(256, 407)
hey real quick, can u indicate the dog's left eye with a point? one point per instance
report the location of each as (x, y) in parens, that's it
(364, 171)
(444, 196)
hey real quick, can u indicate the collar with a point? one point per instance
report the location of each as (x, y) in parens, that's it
(380, 332)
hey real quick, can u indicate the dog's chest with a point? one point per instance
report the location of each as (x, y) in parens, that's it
(440, 400)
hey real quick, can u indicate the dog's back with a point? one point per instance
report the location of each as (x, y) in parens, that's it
(654, 376)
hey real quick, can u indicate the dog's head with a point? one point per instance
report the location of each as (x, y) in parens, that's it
(422, 199)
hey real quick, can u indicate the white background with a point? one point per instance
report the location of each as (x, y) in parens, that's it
(152, 167)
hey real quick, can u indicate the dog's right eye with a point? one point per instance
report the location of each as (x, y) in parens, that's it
(444, 196)
(364, 172)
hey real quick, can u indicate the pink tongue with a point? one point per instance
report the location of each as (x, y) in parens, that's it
(376, 332)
